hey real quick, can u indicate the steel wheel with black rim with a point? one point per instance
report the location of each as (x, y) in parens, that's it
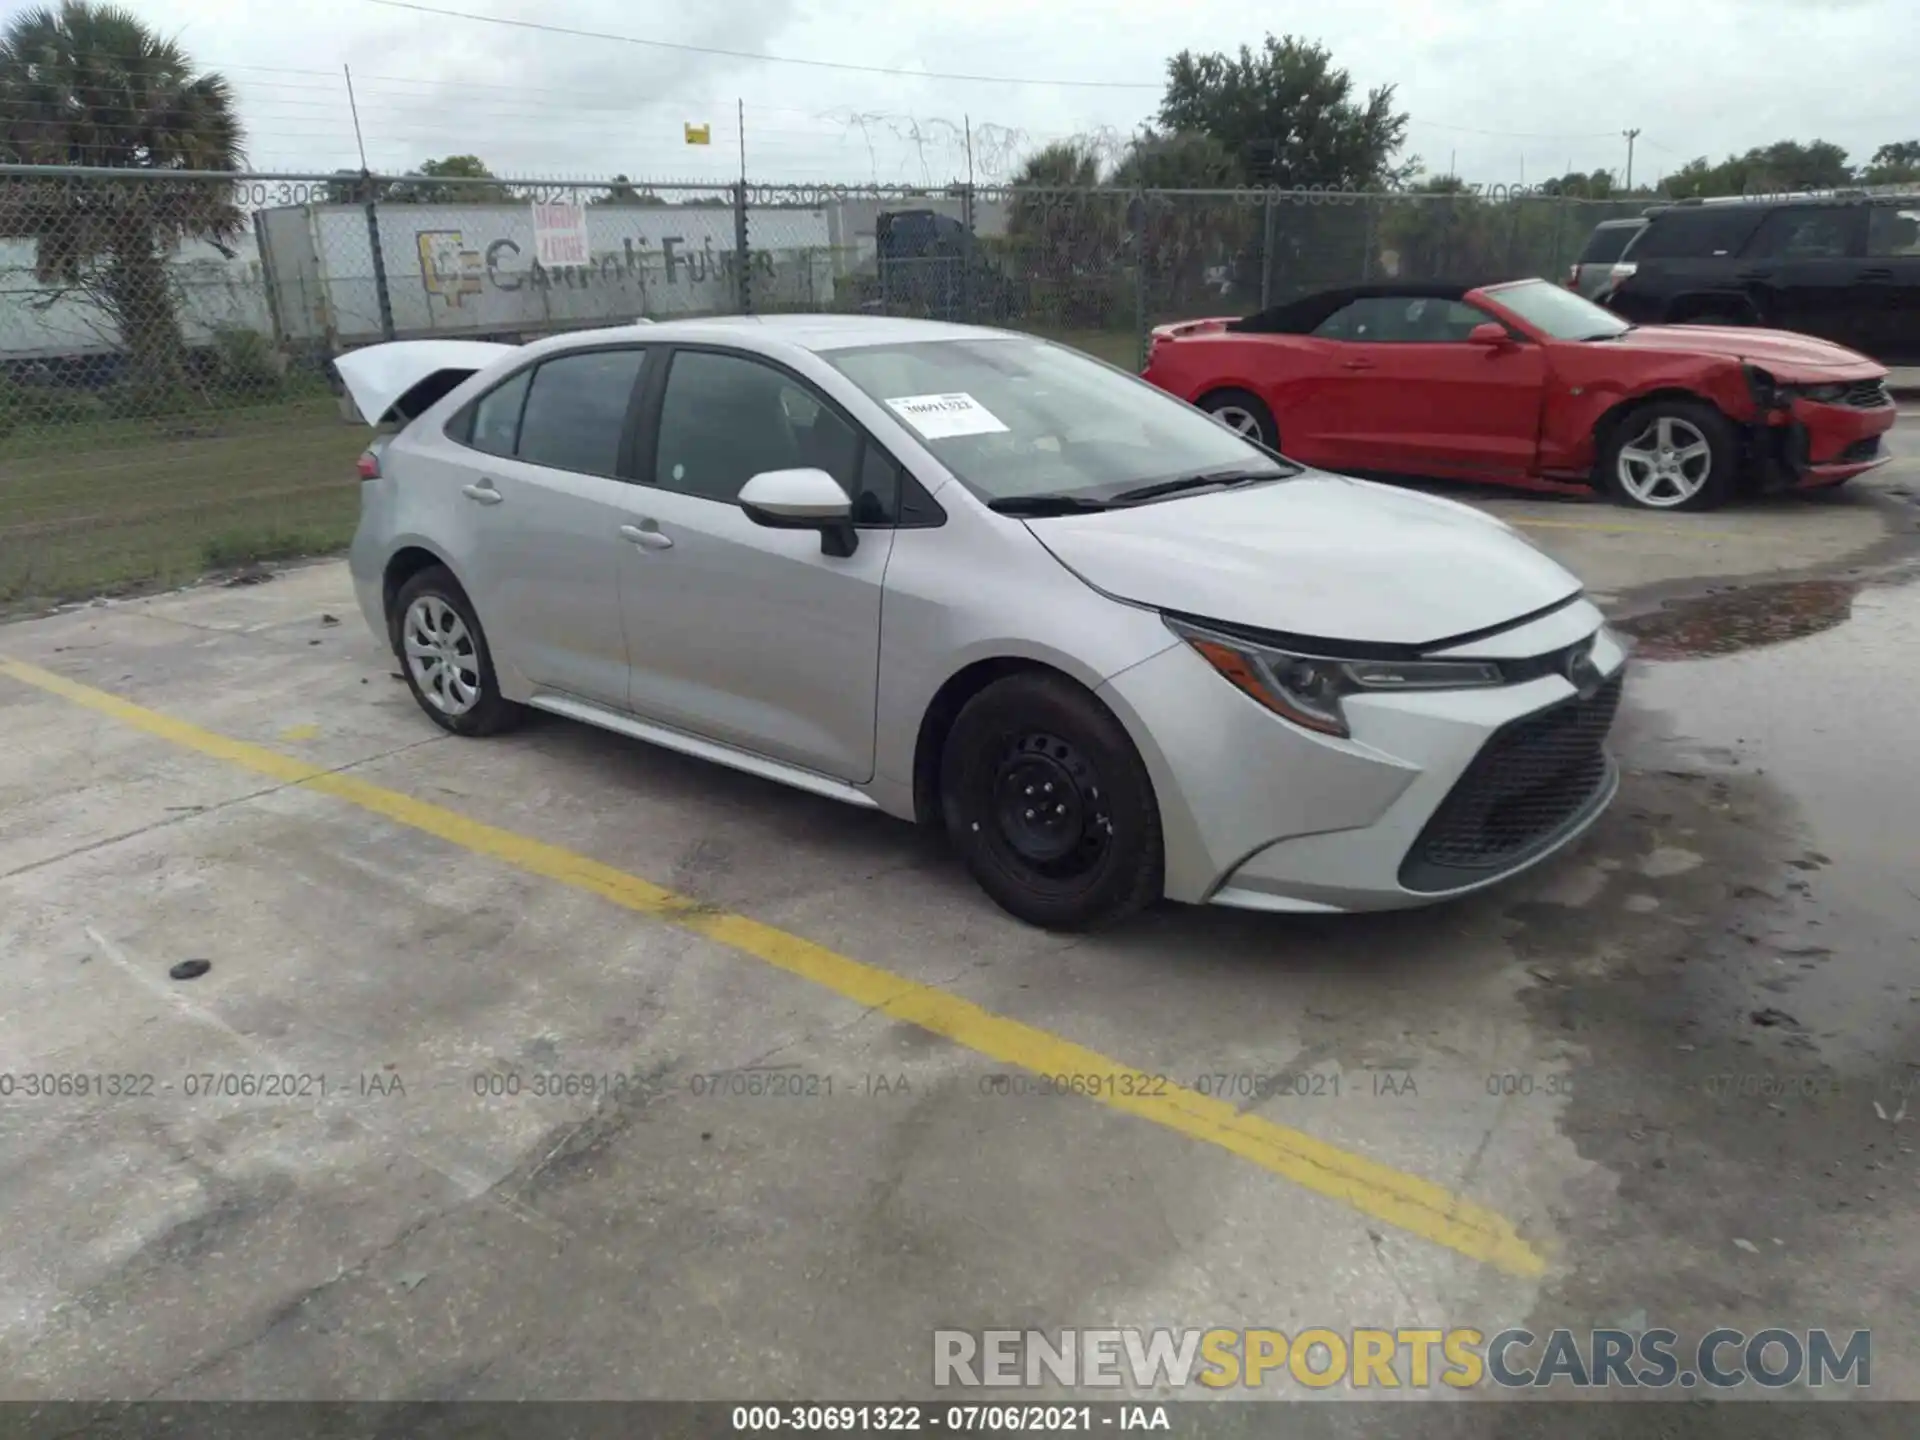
(1670, 455)
(1244, 414)
(443, 653)
(1048, 802)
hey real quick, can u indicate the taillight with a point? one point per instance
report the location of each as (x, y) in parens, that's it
(368, 465)
(1573, 277)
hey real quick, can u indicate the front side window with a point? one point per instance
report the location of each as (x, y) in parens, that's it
(1012, 417)
(1402, 320)
(728, 418)
(576, 411)
(1699, 232)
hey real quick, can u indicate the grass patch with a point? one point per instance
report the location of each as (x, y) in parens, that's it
(110, 506)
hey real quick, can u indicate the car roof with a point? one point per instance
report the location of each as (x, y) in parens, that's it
(815, 332)
(1298, 316)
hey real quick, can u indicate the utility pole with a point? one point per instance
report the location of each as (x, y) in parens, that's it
(967, 120)
(354, 106)
(1632, 135)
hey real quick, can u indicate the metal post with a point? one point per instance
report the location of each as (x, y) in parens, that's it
(966, 245)
(1139, 229)
(1266, 251)
(740, 238)
(380, 292)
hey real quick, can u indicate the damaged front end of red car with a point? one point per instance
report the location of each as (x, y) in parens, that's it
(1806, 433)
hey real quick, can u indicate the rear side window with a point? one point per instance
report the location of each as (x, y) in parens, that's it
(1606, 243)
(496, 418)
(1893, 231)
(1806, 235)
(576, 411)
(1696, 234)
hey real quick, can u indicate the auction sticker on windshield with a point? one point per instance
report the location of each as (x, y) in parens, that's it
(941, 417)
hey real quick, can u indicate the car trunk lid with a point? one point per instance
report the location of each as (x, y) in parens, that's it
(398, 380)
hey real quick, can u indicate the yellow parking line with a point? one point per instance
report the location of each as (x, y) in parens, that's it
(1627, 529)
(1405, 1201)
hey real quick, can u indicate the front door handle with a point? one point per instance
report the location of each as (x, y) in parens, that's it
(1356, 365)
(1751, 275)
(646, 538)
(483, 493)
(1876, 274)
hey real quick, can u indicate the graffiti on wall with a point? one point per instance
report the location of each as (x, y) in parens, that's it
(449, 270)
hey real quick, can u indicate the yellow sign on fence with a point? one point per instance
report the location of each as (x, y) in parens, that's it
(699, 134)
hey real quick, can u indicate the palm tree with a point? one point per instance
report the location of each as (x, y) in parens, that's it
(90, 85)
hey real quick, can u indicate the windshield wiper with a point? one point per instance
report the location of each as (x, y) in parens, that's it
(1209, 480)
(1038, 505)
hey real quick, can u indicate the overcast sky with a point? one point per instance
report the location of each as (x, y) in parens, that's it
(1505, 89)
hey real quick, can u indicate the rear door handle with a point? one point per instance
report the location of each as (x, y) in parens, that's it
(1754, 275)
(1876, 275)
(483, 493)
(1356, 365)
(646, 538)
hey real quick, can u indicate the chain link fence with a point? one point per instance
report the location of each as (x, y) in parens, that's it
(168, 407)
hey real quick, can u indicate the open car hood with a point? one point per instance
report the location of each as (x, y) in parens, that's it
(381, 378)
(1318, 555)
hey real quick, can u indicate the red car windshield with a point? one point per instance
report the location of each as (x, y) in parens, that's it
(1557, 312)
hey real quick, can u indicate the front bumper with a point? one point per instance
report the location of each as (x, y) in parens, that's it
(1811, 444)
(1437, 794)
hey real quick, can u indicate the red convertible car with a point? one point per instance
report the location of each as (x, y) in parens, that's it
(1527, 384)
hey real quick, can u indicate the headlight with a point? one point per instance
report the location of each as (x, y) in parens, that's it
(1825, 394)
(1309, 689)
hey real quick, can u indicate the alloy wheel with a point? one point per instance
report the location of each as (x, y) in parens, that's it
(1666, 464)
(1239, 419)
(441, 655)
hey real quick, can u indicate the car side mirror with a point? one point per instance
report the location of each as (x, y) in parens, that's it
(806, 499)
(1491, 334)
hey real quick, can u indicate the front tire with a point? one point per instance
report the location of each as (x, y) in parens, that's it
(1670, 455)
(1244, 413)
(443, 654)
(1049, 804)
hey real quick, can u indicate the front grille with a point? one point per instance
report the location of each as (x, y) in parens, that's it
(1531, 781)
(1867, 449)
(1867, 395)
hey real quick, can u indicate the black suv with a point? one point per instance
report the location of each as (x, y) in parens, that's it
(1846, 269)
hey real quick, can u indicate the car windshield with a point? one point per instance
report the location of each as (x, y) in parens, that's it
(1013, 417)
(1557, 312)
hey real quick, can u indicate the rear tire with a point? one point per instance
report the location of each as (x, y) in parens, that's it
(443, 655)
(1049, 804)
(1244, 413)
(1669, 455)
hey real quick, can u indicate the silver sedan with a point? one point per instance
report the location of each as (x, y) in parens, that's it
(981, 581)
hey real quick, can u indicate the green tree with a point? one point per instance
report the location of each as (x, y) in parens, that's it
(1184, 240)
(419, 188)
(1785, 165)
(1894, 164)
(1066, 234)
(91, 85)
(1287, 115)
